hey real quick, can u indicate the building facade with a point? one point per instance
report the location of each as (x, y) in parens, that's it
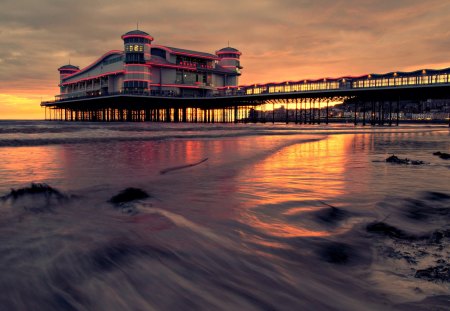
(148, 69)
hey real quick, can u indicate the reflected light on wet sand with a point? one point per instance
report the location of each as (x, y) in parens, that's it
(29, 164)
(298, 179)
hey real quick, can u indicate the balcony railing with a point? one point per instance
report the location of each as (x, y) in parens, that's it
(341, 84)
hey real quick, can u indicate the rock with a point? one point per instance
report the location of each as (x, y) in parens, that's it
(417, 162)
(436, 237)
(397, 160)
(388, 230)
(35, 188)
(438, 273)
(335, 252)
(128, 195)
(394, 254)
(436, 196)
(442, 155)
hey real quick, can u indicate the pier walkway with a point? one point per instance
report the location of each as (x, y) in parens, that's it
(376, 99)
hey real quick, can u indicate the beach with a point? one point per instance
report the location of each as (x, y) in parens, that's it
(235, 217)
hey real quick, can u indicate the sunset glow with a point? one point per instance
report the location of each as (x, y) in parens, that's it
(279, 40)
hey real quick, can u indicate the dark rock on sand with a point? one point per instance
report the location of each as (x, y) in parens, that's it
(442, 155)
(396, 160)
(128, 195)
(382, 228)
(390, 252)
(34, 189)
(438, 235)
(36, 199)
(438, 273)
(436, 196)
(420, 210)
(338, 253)
(416, 162)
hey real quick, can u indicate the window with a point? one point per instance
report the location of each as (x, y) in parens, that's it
(136, 58)
(135, 85)
(158, 52)
(112, 60)
(229, 55)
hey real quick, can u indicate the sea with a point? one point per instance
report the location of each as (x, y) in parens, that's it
(166, 216)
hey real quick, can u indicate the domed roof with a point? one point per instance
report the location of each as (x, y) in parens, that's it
(228, 49)
(70, 67)
(136, 32)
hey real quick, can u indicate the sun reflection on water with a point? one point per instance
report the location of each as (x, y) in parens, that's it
(301, 178)
(29, 164)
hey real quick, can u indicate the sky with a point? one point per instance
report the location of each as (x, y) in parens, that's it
(279, 39)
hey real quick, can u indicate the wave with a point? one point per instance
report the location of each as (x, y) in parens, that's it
(24, 142)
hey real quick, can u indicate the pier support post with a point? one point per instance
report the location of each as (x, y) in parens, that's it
(168, 117)
(287, 112)
(380, 111)
(184, 116)
(273, 112)
(176, 115)
(319, 110)
(372, 115)
(390, 113)
(305, 110)
(364, 113)
(223, 115)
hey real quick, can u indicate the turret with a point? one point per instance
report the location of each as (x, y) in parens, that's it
(67, 70)
(229, 59)
(137, 53)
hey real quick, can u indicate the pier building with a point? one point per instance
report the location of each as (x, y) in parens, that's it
(143, 67)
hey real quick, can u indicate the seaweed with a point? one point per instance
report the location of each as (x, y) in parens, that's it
(170, 169)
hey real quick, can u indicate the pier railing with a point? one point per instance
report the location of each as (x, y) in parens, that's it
(394, 80)
(371, 81)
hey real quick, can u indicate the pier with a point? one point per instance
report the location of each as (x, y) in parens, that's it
(154, 83)
(375, 99)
